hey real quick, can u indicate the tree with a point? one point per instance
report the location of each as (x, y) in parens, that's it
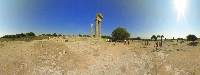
(158, 36)
(30, 34)
(54, 34)
(192, 38)
(48, 35)
(106, 37)
(138, 38)
(80, 35)
(120, 34)
(20, 35)
(154, 38)
(59, 34)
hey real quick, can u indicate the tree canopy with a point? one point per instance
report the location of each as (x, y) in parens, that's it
(30, 34)
(120, 34)
(154, 38)
(191, 37)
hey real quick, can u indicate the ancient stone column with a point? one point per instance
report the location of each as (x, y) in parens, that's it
(91, 30)
(98, 21)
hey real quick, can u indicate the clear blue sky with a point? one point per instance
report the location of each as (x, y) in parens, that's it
(141, 17)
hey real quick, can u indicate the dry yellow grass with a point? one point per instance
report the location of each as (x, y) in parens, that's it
(91, 57)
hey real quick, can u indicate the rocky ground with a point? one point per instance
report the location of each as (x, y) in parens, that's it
(92, 57)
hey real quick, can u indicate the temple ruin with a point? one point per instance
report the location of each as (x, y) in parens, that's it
(98, 21)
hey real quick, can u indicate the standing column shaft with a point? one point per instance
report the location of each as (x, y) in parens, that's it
(97, 29)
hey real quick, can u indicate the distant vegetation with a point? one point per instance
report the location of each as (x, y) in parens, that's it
(20, 37)
(54, 35)
(83, 35)
(120, 34)
(27, 37)
(106, 37)
(137, 38)
(154, 38)
(30, 34)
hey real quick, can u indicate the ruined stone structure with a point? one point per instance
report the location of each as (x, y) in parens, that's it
(92, 30)
(98, 21)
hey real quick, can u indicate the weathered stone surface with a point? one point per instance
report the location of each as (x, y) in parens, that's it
(98, 21)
